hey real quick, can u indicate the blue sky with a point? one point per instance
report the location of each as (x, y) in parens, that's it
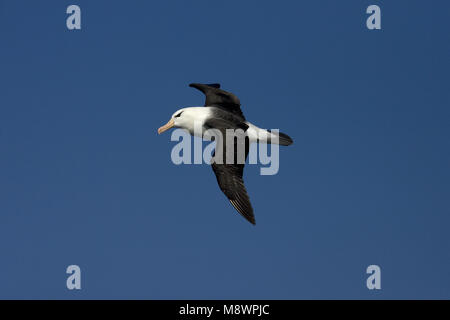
(86, 180)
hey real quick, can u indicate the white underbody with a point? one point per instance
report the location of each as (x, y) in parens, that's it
(193, 119)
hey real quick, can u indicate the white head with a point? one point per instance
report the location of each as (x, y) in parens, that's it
(183, 118)
(174, 121)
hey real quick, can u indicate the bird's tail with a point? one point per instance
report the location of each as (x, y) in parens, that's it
(257, 134)
(284, 139)
(275, 137)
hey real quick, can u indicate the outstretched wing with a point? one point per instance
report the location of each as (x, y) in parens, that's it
(216, 97)
(229, 175)
(229, 178)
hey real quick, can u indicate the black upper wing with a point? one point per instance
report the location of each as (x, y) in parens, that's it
(216, 97)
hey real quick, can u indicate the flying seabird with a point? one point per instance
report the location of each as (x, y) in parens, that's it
(222, 111)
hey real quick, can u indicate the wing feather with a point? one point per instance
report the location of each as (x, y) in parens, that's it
(216, 97)
(230, 176)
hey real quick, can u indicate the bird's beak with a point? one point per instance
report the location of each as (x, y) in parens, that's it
(167, 126)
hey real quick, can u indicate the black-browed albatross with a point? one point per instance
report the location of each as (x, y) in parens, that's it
(222, 111)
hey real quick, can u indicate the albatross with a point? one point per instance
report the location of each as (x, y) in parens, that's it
(222, 112)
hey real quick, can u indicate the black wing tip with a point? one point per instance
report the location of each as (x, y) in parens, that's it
(245, 212)
(251, 220)
(198, 85)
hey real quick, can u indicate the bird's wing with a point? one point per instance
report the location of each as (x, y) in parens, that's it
(229, 175)
(216, 97)
(229, 178)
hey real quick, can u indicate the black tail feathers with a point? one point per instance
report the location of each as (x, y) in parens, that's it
(285, 140)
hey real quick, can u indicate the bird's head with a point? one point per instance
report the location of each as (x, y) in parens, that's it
(178, 120)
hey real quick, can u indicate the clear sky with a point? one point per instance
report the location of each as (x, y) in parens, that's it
(86, 180)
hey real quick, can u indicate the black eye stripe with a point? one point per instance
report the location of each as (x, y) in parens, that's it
(178, 114)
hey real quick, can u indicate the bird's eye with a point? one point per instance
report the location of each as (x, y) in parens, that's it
(178, 114)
